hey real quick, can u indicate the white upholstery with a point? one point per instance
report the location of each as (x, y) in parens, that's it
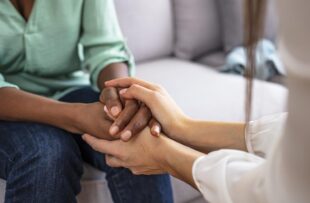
(149, 27)
(198, 28)
(207, 94)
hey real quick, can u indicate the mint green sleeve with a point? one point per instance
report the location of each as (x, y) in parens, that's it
(102, 39)
(3, 83)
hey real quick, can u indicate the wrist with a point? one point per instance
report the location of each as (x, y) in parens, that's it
(181, 128)
(112, 71)
(177, 159)
(70, 114)
(162, 153)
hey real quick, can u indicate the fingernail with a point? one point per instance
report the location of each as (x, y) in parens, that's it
(105, 109)
(156, 129)
(126, 135)
(123, 91)
(114, 129)
(115, 111)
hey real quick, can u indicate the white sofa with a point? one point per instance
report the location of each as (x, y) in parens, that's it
(200, 91)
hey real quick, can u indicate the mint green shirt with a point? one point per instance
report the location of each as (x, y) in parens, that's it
(64, 45)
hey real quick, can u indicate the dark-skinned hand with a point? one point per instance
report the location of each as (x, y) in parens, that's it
(130, 117)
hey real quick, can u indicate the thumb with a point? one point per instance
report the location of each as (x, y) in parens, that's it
(100, 145)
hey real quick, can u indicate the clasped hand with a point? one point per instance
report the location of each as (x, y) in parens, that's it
(142, 153)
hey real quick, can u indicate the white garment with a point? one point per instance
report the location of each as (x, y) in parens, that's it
(230, 176)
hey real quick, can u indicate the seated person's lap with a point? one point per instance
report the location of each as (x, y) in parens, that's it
(18, 138)
(45, 154)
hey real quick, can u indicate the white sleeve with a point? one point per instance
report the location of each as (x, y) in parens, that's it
(283, 177)
(218, 173)
(262, 133)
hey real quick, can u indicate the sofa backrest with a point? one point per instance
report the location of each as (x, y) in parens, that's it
(185, 28)
(198, 28)
(148, 27)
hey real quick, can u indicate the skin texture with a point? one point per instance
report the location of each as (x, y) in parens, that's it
(175, 152)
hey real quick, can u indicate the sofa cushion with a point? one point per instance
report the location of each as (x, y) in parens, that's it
(203, 93)
(147, 26)
(232, 22)
(197, 28)
(215, 60)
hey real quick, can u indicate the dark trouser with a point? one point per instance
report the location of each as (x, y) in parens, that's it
(44, 164)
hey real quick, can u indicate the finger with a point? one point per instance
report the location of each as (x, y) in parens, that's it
(100, 145)
(155, 127)
(130, 109)
(139, 93)
(145, 171)
(128, 81)
(113, 161)
(137, 123)
(110, 117)
(109, 97)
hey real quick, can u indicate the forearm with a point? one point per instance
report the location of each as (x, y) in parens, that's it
(207, 136)
(17, 105)
(178, 160)
(112, 71)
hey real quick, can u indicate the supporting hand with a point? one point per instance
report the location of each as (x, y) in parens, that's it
(162, 106)
(146, 154)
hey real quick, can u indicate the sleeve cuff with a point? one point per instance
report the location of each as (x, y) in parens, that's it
(263, 133)
(195, 168)
(216, 173)
(3, 83)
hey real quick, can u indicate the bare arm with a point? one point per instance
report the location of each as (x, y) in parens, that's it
(78, 118)
(206, 136)
(17, 105)
(178, 160)
(112, 71)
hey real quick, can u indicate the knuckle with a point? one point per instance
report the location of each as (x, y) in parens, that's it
(158, 87)
(111, 162)
(132, 105)
(120, 121)
(137, 126)
(109, 94)
(135, 172)
(155, 96)
(144, 110)
(118, 153)
(108, 161)
(96, 148)
(145, 114)
(134, 87)
(126, 159)
(102, 97)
